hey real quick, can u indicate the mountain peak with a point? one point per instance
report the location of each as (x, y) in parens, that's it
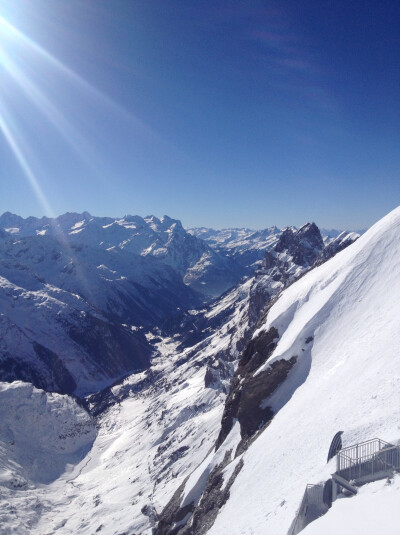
(304, 245)
(8, 219)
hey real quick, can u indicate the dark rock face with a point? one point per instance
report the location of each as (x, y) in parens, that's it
(247, 392)
(260, 296)
(255, 390)
(304, 245)
(212, 500)
(174, 519)
(173, 513)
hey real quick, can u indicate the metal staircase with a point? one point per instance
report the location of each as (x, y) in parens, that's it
(356, 465)
(368, 461)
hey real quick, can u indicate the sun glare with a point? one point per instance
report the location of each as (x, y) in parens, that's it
(59, 94)
(14, 146)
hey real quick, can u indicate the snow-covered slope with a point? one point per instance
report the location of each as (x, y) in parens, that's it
(41, 437)
(376, 510)
(325, 359)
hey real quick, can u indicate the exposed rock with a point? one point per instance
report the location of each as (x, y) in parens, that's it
(254, 390)
(212, 500)
(173, 516)
(240, 398)
(197, 519)
(304, 245)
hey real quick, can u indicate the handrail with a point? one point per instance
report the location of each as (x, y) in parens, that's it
(359, 445)
(360, 452)
(369, 459)
(363, 463)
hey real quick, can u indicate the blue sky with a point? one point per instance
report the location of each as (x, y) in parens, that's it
(219, 113)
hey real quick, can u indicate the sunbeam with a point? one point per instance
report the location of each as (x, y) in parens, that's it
(21, 159)
(73, 137)
(34, 183)
(92, 92)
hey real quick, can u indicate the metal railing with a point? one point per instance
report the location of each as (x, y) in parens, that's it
(360, 463)
(312, 507)
(347, 456)
(368, 460)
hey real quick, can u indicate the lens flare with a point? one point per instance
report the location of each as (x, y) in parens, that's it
(11, 32)
(21, 159)
(71, 134)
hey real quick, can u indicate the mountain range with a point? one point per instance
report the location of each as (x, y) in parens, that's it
(168, 400)
(78, 293)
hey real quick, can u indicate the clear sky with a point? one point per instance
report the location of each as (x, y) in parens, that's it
(219, 113)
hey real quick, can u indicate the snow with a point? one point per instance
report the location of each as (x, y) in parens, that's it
(164, 431)
(245, 245)
(42, 437)
(347, 379)
(374, 510)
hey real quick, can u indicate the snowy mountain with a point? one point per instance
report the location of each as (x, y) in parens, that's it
(42, 437)
(163, 240)
(333, 233)
(77, 294)
(72, 315)
(235, 414)
(247, 247)
(244, 245)
(124, 286)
